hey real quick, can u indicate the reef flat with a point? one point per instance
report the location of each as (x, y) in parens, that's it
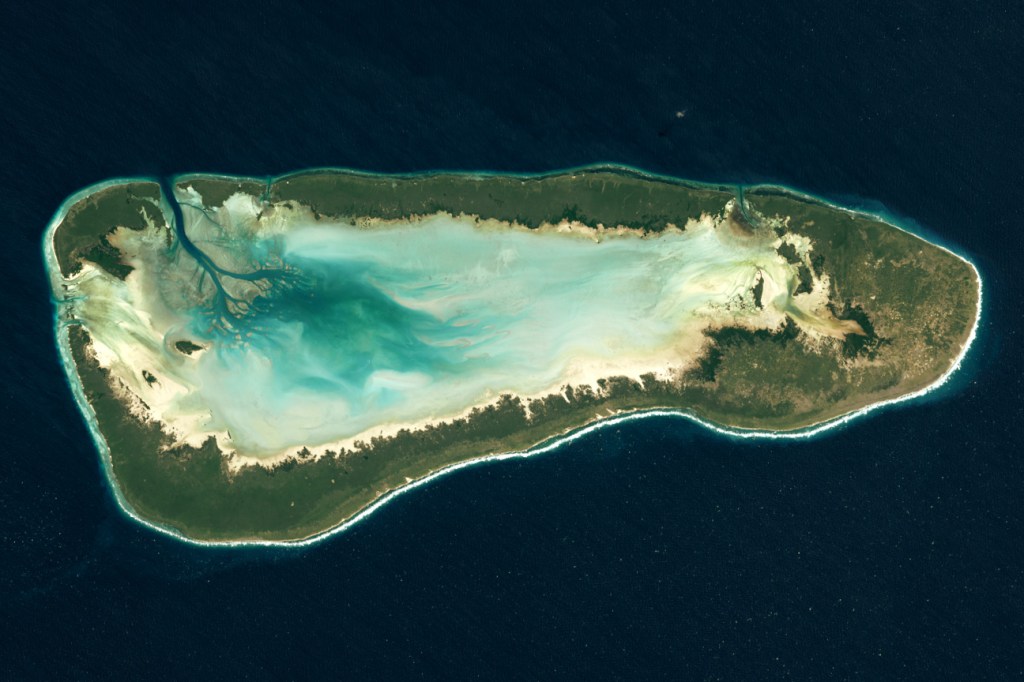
(263, 361)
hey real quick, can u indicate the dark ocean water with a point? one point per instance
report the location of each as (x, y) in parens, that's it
(887, 549)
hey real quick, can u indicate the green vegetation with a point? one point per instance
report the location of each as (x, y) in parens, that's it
(216, 190)
(83, 233)
(600, 195)
(916, 302)
(187, 347)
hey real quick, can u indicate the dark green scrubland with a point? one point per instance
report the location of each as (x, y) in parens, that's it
(83, 233)
(610, 197)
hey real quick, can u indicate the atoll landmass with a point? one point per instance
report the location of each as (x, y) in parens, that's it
(264, 361)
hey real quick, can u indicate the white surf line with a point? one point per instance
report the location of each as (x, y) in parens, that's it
(64, 348)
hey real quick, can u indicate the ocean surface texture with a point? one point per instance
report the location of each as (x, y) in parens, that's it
(886, 549)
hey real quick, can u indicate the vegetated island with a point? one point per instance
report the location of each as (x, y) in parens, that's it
(264, 361)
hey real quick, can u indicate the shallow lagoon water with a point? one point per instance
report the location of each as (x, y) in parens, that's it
(350, 329)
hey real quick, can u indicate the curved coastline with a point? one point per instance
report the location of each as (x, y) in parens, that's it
(64, 350)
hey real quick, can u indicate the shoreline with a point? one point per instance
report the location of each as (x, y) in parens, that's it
(548, 445)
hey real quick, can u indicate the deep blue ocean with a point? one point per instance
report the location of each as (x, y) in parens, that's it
(888, 549)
